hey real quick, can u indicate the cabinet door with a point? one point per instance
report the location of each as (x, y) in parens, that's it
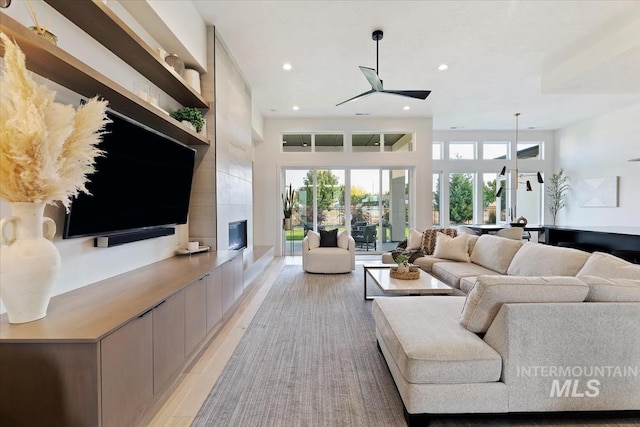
(214, 298)
(238, 268)
(168, 340)
(195, 315)
(127, 372)
(228, 296)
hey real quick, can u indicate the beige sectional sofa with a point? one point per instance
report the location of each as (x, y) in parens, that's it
(536, 328)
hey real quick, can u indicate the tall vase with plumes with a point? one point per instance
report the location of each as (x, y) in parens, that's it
(29, 262)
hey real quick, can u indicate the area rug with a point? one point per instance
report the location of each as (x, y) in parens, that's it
(308, 358)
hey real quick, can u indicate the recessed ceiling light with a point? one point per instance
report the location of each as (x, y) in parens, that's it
(453, 127)
(443, 67)
(286, 66)
(531, 127)
(406, 107)
(295, 108)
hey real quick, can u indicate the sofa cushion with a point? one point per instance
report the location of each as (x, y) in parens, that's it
(490, 292)
(429, 346)
(608, 266)
(426, 262)
(453, 248)
(472, 239)
(495, 253)
(549, 261)
(467, 283)
(452, 272)
(612, 290)
(329, 238)
(414, 241)
(429, 238)
(314, 239)
(343, 239)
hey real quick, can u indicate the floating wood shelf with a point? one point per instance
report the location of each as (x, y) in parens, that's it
(96, 19)
(55, 64)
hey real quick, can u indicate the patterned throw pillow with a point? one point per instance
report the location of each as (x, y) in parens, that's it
(430, 236)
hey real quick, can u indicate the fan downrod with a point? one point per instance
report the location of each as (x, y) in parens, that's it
(377, 35)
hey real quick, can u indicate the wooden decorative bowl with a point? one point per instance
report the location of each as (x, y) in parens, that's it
(414, 273)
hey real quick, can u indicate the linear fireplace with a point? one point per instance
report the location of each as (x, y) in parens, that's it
(238, 235)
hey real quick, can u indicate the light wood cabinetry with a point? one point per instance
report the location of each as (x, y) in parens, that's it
(195, 313)
(127, 371)
(168, 340)
(214, 298)
(55, 64)
(106, 353)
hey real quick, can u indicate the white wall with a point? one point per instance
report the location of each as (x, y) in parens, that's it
(82, 264)
(269, 160)
(597, 148)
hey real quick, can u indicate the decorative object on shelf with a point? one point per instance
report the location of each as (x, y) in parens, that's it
(518, 177)
(38, 29)
(557, 192)
(193, 78)
(191, 115)
(47, 150)
(287, 206)
(175, 62)
(30, 262)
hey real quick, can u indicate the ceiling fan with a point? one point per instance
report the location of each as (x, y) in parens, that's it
(376, 84)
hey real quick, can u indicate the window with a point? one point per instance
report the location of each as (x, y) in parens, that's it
(436, 198)
(495, 150)
(398, 141)
(529, 150)
(436, 151)
(296, 143)
(329, 142)
(366, 142)
(490, 202)
(461, 198)
(462, 150)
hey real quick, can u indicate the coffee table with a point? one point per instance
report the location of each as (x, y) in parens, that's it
(426, 284)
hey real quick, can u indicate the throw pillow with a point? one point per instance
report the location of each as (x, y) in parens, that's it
(429, 238)
(453, 248)
(329, 238)
(612, 290)
(314, 239)
(610, 267)
(343, 239)
(415, 239)
(490, 292)
(495, 253)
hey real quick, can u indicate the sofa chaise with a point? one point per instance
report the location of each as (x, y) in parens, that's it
(536, 328)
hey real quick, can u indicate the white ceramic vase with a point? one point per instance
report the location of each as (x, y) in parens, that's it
(29, 262)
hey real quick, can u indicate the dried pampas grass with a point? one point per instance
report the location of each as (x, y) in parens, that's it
(47, 150)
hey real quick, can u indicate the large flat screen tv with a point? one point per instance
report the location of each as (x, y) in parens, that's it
(142, 182)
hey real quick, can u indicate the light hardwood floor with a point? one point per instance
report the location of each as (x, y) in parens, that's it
(194, 385)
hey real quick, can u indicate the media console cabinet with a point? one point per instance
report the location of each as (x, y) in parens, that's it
(106, 353)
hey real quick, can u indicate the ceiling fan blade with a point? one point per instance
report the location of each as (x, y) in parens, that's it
(418, 94)
(362, 95)
(373, 78)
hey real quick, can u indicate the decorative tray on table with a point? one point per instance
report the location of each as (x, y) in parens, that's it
(413, 273)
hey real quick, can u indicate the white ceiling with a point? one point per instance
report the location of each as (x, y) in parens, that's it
(501, 54)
